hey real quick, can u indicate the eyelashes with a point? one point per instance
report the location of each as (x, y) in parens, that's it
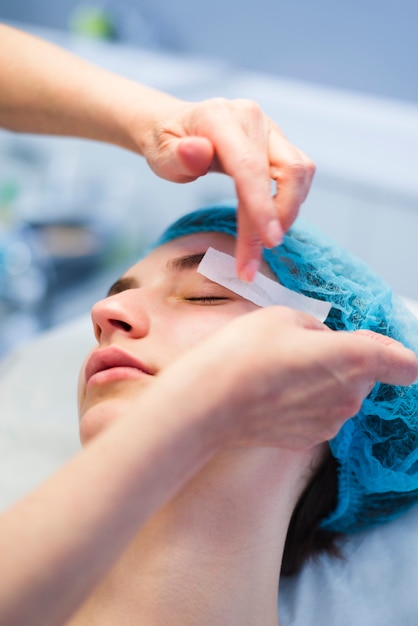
(206, 299)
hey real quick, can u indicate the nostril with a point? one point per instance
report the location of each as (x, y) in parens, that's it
(120, 324)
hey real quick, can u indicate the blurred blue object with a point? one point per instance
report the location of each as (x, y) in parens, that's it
(39, 262)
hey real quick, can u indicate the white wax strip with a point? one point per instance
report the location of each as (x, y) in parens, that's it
(263, 291)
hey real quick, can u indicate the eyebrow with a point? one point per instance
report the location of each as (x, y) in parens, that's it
(181, 263)
(122, 284)
(187, 262)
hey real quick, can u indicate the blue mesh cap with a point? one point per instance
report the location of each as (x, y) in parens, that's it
(377, 449)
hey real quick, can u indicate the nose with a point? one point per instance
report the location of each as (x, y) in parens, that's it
(122, 313)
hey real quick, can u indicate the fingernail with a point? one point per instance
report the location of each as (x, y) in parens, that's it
(274, 233)
(249, 271)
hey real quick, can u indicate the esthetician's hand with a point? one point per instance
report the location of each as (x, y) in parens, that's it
(235, 137)
(280, 377)
(180, 140)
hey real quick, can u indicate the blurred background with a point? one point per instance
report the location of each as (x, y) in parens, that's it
(340, 79)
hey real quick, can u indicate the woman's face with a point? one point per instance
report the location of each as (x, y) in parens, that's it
(156, 311)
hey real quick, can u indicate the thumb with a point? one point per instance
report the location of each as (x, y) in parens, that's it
(182, 159)
(396, 364)
(194, 157)
(384, 340)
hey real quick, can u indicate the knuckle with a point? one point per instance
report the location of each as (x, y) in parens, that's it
(285, 314)
(220, 102)
(249, 106)
(310, 168)
(349, 405)
(208, 110)
(296, 170)
(355, 360)
(328, 432)
(245, 105)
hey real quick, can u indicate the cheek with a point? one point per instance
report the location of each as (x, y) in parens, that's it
(186, 333)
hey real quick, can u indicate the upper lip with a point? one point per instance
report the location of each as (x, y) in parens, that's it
(107, 358)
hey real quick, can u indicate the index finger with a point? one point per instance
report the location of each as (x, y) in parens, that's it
(254, 155)
(264, 224)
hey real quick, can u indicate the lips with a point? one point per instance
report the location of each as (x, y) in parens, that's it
(114, 359)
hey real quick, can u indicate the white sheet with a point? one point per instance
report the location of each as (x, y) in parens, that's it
(374, 585)
(38, 420)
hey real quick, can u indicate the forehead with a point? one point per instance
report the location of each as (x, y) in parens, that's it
(196, 243)
(187, 245)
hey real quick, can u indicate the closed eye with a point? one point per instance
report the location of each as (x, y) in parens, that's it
(206, 299)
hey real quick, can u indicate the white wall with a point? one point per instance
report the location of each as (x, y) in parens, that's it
(365, 45)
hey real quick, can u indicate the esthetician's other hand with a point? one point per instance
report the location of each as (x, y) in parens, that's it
(235, 137)
(279, 377)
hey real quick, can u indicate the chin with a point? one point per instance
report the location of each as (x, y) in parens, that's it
(96, 419)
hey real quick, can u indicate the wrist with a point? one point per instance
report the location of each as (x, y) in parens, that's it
(138, 114)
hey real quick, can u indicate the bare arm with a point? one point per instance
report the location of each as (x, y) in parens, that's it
(58, 542)
(44, 89)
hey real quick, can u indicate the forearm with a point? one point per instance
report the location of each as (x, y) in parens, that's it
(45, 89)
(61, 540)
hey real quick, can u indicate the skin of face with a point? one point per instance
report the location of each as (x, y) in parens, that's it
(157, 310)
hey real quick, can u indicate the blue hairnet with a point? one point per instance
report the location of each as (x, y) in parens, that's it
(377, 449)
